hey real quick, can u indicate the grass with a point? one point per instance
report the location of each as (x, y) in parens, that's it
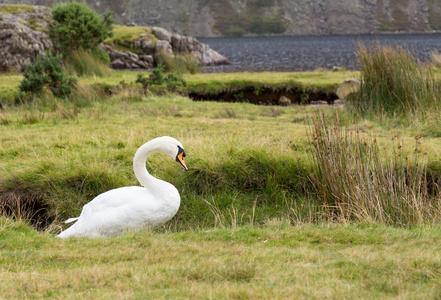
(122, 36)
(211, 84)
(84, 63)
(272, 261)
(16, 8)
(355, 182)
(248, 195)
(395, 86)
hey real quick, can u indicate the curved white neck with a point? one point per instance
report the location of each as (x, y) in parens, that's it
(148, 181)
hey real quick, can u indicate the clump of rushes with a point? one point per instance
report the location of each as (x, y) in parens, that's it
(394, 84)
(356, 181)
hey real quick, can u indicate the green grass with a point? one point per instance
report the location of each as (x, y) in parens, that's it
(210, 84)
(250, 223)
(126, 34)
(395, 86)
(16, 8)
(272, 261)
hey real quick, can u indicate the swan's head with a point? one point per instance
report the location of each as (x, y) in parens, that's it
(174, 149)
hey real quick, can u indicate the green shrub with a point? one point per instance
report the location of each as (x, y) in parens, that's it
(77, 26)
(174, 82)
(46, 72)
(157, 75)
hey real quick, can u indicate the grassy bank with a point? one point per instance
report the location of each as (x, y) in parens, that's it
(274, 261)
(210, 84)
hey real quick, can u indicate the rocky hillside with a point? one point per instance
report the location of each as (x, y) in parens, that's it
(288, 17)
(23, 35)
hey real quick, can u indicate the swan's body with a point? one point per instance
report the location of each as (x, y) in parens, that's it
(133, 207)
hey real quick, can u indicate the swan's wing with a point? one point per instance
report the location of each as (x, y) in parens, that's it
(120, 209)
(70, 220)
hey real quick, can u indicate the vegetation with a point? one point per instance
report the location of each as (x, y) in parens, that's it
(46, 72)
(180, 63)
(274, 261)
(355, 183)
(395, 85)
(358, 200)
(76, 26)
(79, 30)
(84, 63)
(16, 8)
(123, 36)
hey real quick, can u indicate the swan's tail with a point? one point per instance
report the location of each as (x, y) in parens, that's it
(70, 220)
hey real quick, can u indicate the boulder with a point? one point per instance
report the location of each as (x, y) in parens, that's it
(127, 59)
(161, 34)
(284, 101)
(148, 47)
(163, 46)
(349, 86)
(20, 42)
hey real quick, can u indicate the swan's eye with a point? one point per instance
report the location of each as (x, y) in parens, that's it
(180, 150)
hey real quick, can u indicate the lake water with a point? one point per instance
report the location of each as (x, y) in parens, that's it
(306, 53)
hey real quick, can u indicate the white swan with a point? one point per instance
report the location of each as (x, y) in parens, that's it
(132, 207)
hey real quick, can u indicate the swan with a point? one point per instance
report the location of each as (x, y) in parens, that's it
(132, 207)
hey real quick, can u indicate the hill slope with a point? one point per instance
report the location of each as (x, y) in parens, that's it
(249, 17)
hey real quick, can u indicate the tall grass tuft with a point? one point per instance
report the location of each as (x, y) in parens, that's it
(85, 63)
(435, 58)
(357, 181)
(180, 63)
(394, 84)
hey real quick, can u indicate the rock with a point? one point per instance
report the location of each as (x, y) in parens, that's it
(205, 55)
(284, 101)
(19, 43)
(319, 102)
(161, 34)
(118, 64)
(127, 59)
(147, 58)
(349, 86)
(21, 40)
(163, 46)
(148, 47)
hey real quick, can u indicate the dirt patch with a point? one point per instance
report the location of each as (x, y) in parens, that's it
(265, 96)
(26, 205)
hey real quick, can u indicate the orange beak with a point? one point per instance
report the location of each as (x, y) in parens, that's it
(180, 159)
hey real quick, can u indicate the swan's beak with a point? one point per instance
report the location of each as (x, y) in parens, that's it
(180, 159)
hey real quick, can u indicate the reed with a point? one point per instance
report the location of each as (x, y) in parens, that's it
(356, 180)
(180, 63)
(85, 63)
(394, 85)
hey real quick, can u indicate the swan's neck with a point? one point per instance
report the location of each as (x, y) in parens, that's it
(154, 185)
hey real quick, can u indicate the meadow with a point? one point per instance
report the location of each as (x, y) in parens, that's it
(263, 214)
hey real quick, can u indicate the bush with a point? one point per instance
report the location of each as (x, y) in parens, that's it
(77, 26)
(46, 72)
(174, 82)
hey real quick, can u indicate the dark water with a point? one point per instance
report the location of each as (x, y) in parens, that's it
(294, 53)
